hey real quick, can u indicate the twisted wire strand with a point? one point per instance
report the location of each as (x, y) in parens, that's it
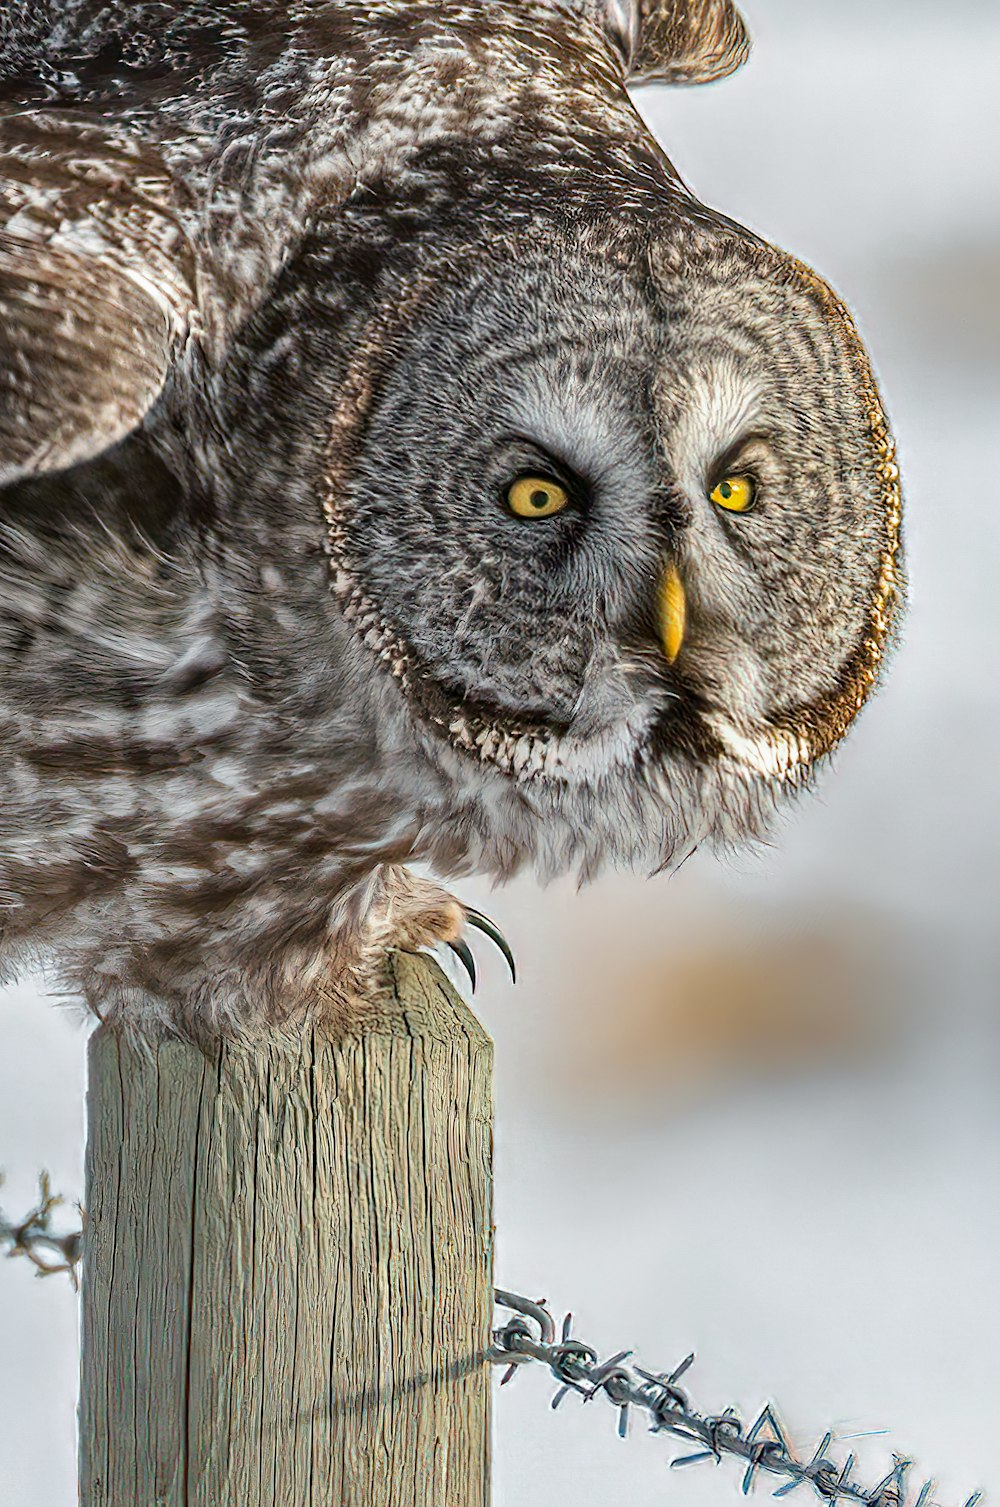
(530, 1336)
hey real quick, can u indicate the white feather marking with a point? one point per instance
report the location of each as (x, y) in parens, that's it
(777, 755)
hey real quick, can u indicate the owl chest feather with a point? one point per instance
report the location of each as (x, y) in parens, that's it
(152, 789)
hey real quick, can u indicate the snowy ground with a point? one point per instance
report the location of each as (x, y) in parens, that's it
(810, 1200)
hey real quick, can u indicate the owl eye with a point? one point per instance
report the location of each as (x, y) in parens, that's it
(536, 497)
(734, 493)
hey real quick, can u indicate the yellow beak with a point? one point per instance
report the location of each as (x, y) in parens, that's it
(672, 614)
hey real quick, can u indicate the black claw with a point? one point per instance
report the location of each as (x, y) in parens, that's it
(463, 952)
(491, 930)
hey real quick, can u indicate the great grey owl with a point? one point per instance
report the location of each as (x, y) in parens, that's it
(397, 463)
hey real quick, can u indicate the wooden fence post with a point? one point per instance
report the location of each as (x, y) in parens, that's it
(287, 1286)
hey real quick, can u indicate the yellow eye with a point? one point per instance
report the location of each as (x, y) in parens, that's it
(734, 493)
(536, 497)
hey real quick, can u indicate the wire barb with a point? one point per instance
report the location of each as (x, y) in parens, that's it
(530, 1335)
(34, 1237)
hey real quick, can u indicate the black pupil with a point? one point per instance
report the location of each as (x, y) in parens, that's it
(539, 498)
(726, 490)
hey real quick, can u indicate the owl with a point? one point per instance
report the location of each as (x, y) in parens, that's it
(399, 466)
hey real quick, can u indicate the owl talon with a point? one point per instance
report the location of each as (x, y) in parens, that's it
(463, 952)
(490, 929)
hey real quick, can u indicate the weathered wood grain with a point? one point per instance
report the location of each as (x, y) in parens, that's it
(288, 1278)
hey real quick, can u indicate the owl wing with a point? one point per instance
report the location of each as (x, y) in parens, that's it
(86, 348)
(157, 162)
(96, 293)
(131, 242)
(677, 41)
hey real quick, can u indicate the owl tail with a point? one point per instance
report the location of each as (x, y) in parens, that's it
(677, 41)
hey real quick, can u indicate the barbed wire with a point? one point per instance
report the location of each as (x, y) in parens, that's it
(530, 1336)
(34, 1238)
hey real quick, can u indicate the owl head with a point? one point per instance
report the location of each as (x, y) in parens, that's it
(611, 494)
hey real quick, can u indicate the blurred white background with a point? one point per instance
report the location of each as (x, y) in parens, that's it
(753, 1109)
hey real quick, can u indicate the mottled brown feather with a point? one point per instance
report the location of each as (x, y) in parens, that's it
(689, 41)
